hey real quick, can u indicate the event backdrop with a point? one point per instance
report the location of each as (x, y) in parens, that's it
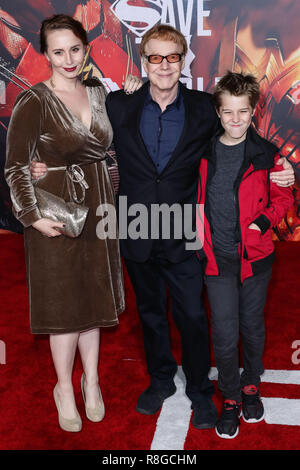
(257, 36)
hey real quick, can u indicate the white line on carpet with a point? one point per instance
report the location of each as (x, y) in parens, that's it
(282, 411)
(270, 375)
(174, 419)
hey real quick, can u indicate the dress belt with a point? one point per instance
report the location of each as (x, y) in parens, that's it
(75, 175)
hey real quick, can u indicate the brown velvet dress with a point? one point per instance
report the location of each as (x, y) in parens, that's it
(74, 284)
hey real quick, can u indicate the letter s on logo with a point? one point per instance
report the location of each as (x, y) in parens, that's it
(132, 15)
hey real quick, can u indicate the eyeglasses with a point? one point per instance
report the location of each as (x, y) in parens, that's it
(157, 59)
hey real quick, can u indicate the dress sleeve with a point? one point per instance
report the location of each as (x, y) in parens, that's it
(22, 139)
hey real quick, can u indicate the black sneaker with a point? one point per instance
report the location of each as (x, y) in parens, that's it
(227, 425)
(252, 407)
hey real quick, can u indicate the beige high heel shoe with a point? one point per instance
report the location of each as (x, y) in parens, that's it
(70, 425)
(93, 414)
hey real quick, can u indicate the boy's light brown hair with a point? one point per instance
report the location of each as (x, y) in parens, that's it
(237, 84)
(164, 32)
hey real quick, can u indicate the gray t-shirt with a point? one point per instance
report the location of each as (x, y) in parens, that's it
(221, 198)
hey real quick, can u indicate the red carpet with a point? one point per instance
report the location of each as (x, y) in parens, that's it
(28, 415)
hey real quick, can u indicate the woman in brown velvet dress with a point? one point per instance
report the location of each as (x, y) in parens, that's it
(75, 285)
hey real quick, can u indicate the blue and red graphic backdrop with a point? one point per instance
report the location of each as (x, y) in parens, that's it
(256, 36)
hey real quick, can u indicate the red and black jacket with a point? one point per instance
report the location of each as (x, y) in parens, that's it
(258, 201)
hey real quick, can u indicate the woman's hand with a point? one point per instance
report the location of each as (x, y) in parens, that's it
(254, 227)
(37, 169)
(132, 84)
(48, 227)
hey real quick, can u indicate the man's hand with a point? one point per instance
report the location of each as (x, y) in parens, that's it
(48, 228)
(285, 177)
(37, 169)
(132, 84)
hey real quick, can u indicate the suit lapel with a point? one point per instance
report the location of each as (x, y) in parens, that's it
(134, 119)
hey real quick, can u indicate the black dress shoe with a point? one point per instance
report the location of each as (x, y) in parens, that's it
(151, 400)
(205, 415)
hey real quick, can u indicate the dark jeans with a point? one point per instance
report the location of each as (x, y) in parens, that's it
(185, 282)
(237, 309)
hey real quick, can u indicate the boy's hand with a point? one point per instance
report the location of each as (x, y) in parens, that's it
(254, 227)
(285, 177)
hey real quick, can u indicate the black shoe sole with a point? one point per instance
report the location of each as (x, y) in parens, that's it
(227, 436)
(204, 425)
(148, 412)
(253, 420)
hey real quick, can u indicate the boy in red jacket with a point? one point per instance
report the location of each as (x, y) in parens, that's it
(241, 207)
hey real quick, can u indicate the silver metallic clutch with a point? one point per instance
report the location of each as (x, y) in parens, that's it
(72, 214)
(55, 208)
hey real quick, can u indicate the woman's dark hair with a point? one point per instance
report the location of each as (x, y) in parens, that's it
(61, 22)
(237, 84)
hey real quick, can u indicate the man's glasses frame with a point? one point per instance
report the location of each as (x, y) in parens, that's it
(171, 58)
